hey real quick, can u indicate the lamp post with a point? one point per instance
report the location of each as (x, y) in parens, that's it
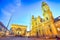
(7, 31)
(9, 21)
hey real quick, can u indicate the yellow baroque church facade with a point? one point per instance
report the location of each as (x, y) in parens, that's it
(45, 26)
(39, 26)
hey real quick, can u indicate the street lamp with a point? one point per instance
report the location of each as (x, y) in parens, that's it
(9, 21)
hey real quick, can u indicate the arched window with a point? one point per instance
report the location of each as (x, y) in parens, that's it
(50, 28)
(47, 18)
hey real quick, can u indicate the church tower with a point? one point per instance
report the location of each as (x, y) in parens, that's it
(33, 27)
(39, 26)
(48, 17)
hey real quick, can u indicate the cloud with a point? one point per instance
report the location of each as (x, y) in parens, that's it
(6, 13)
(18, 3)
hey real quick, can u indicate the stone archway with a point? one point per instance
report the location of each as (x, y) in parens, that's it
(18, 30)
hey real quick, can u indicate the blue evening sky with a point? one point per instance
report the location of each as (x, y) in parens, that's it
(22, 10)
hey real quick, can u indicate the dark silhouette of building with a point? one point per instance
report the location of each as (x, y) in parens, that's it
(2, 27)
(57, 19)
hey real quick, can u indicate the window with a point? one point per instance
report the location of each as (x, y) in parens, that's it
(47, 18)
(50, 28)
(58, 29)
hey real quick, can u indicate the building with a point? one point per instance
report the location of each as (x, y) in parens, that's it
(18, 30)
(44, 26)
(33, 27)
(2, 27)
(57, 23)
(27, 34)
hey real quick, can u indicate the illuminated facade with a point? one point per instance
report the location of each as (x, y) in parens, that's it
(18, 29)
(45, 26)
(49, 20)
(57, 23)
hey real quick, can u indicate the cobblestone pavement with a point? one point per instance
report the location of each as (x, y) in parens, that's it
(23, 38)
